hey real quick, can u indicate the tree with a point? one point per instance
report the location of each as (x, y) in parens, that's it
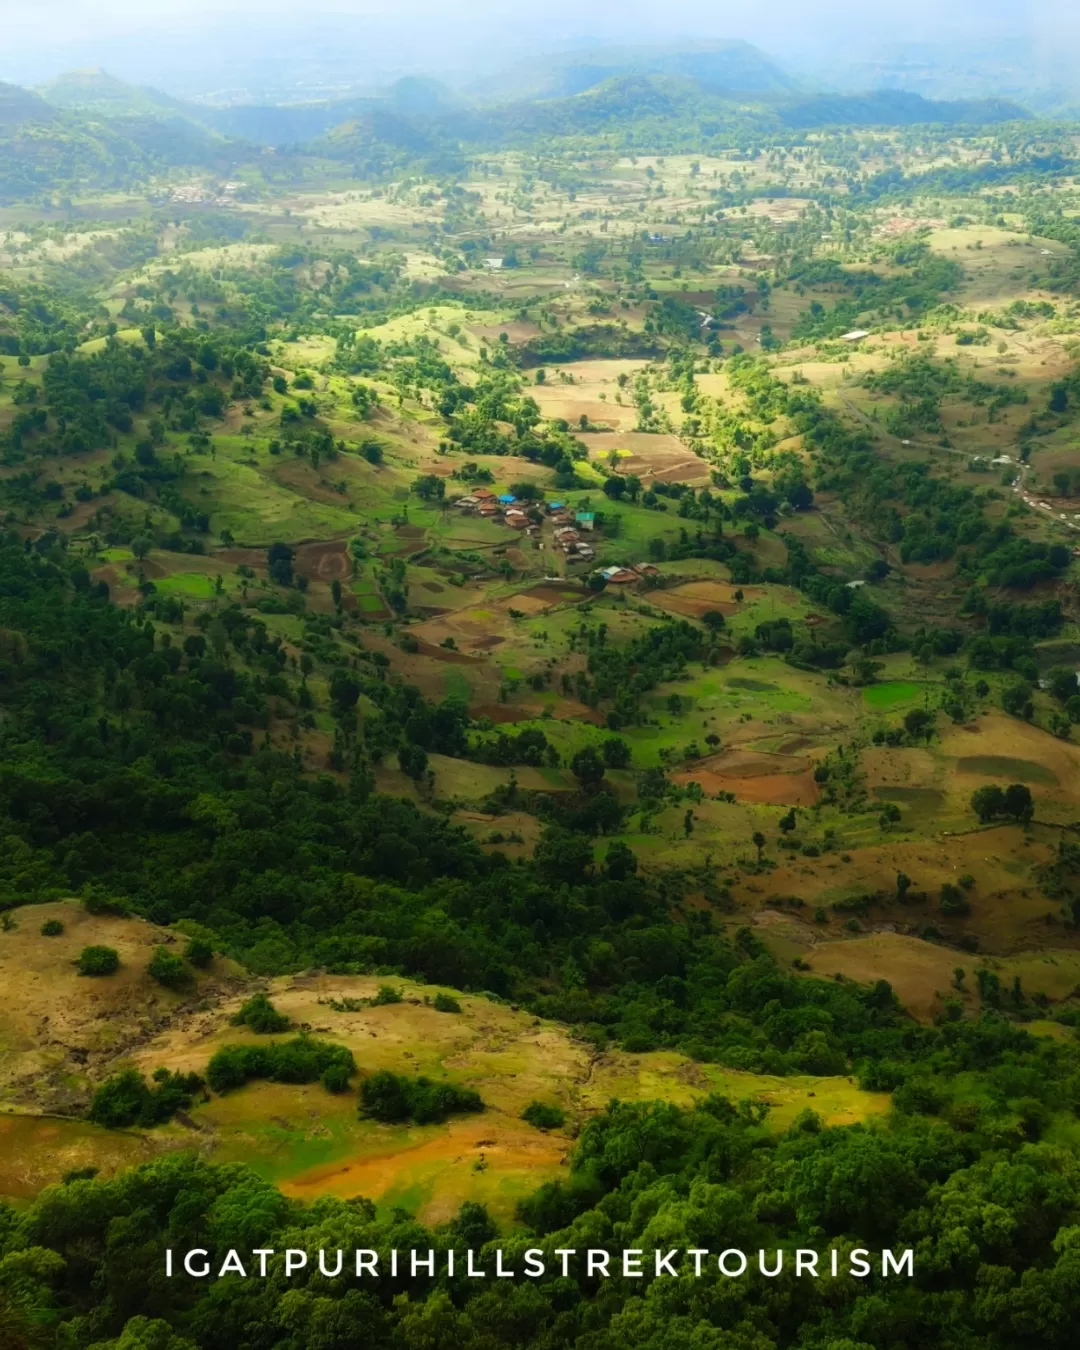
(335, 1077)
(97, 960)
(413, 761)
(564, 857)
(198, 952)
(713, 620)
(759, 841)
(615, 486)
(279, 559)
(544, 1116)
(621, 862)
(344, 691)
(903, 885)
(616, 753)
(919, 722)
(988, 802)
(890, 815)
(1016, 700)
(953, 900)
(429, 486)
(1017, 803)
(259, 1015)
(168, 969)
(587, 766)
(1062, 683)
(787, 823)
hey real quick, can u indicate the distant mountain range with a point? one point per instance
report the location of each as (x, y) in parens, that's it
(89, 126)
(578, 93)
(725, 67)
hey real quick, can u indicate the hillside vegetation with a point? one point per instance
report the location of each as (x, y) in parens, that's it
(538, 707)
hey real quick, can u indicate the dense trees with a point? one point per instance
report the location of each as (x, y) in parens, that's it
(393, 1099)
(992, 802)
(90, 1255)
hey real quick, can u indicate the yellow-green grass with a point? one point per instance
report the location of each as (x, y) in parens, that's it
(311, 1142)
(256, 510)
(891, 694)
(195, 584)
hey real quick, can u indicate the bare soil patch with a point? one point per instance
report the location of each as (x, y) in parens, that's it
(324, 561)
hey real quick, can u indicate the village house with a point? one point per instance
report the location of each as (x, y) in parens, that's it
(620, 576)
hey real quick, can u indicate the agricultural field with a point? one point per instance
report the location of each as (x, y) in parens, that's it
(306, 1140)
(634, 599)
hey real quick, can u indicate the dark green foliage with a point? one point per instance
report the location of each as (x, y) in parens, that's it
(127, 1098)
(386, 993)
(544, 1116)
(52, 928)
(446, 1003)
(168, 969)
(991, 802)
(198, 952)
(97, 960)
(392, 1099)
(259, 1015)
(302, 1060)
(335, 1077)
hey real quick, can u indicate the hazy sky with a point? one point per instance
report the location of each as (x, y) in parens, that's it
(52, 20)
(181, 42)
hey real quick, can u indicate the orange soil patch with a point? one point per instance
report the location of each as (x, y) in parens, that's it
(777, 789)
(695, 598)
(769, 779)
(662, 458)
(514, 1150)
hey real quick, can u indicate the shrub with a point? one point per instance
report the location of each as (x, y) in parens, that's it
(52, 928)
(298, 1061)
(168, 969)
(544, 1117)
(920, 1096)
(387, 994)
(198, 953)
(98, 961)
(952, 900)
(260, 1016)
(335, 1077)
(97, 901)
(127, 1098)
(445, 1003)
(393, 1098)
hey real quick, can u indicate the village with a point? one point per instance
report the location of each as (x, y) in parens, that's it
(567, 529)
